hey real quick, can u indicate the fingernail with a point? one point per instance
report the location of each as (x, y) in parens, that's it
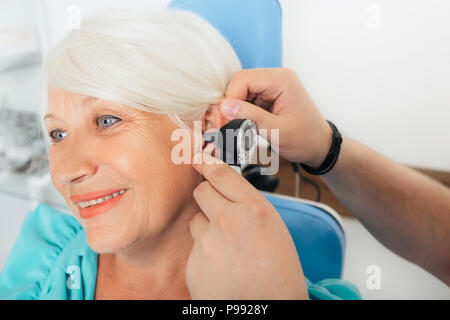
(229, 108)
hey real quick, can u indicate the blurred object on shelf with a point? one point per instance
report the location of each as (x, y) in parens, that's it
(22, 146)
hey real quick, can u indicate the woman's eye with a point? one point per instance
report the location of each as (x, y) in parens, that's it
(107, 121)
(104, 121)
(57, 135)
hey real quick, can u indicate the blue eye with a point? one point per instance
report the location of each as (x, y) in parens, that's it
(107, 121)
(59, 135)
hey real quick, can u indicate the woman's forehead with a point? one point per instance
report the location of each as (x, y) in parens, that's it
(62, 101)
(60, 97)
(59, 100)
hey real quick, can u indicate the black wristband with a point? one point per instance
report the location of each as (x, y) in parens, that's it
(332, 155)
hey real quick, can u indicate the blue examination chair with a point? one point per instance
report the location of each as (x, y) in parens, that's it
(253, 28)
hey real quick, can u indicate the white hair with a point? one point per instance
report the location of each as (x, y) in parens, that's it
(171, 62)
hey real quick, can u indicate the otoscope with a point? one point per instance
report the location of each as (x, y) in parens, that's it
(237, 142)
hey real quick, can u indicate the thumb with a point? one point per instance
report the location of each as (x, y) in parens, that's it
(231, 108)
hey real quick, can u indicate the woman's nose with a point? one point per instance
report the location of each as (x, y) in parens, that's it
(72, 163)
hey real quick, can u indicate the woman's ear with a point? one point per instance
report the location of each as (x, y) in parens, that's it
(213, 118)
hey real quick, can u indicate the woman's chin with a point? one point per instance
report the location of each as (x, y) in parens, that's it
(106, 242)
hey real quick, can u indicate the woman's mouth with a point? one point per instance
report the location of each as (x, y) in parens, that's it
(98, 206)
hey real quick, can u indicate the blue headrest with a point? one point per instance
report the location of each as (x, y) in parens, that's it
(317, 234)
(252, 27)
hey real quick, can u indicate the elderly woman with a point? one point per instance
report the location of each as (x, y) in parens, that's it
(145, 226)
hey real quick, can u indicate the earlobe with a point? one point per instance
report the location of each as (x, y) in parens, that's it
(213, 119)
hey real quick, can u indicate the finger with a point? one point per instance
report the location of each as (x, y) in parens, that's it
(238, 109)
(198, 225)
(223, 178)
(209, 200)
(262, 82)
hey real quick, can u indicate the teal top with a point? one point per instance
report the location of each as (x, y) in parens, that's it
(51, 260)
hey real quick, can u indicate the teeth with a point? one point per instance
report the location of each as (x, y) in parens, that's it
(85, 204)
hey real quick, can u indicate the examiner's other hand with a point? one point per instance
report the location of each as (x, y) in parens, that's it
(242, 248)
(279, 101)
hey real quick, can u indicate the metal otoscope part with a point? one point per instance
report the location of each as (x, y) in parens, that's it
(237, 141)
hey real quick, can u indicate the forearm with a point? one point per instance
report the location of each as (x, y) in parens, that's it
(406, 211)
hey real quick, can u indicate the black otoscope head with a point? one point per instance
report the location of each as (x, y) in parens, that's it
(237, 140)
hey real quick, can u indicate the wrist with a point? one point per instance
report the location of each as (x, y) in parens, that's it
(332, 155)
(325, 136)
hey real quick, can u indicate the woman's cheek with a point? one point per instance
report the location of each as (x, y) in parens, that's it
(60, 187)
(124, 151)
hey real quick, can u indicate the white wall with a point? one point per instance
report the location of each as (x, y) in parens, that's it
(399, 278)
(60, 10)
(19, 55)
(379, 69)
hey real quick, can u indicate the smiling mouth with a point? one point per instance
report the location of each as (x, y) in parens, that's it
(90, 203)
(96, 207)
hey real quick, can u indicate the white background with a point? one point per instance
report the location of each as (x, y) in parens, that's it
(383, 78)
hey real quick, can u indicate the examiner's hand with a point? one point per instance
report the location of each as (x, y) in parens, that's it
(242, 248)
(279, 101)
